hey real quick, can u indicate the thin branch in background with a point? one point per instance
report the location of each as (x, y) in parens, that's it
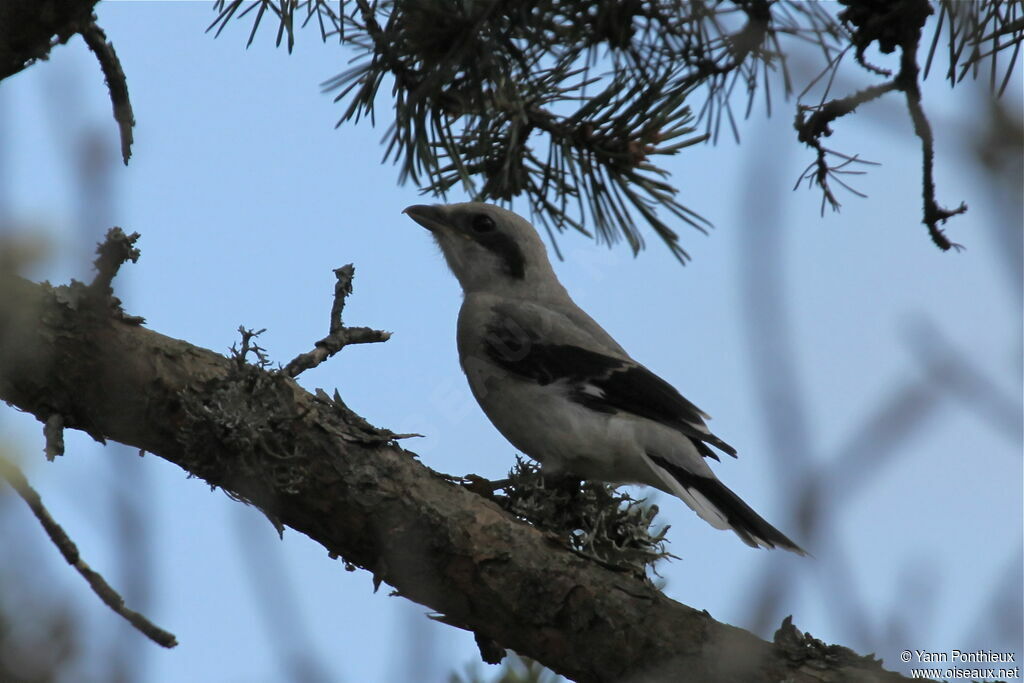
(873, 445)
(993, 615)
(998, 151)
(96, 39)
(275, 599)
(914, 604)
(871, 448)
(128, 491)
(16, 478)
(773, 364)
(839, 584)
(955, 373)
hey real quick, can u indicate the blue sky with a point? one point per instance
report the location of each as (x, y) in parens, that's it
(246, 198)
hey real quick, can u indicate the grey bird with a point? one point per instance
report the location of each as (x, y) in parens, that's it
(559, 388)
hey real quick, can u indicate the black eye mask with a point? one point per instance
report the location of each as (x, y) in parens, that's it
(482, 229)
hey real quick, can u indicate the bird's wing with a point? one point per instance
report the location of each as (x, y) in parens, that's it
(545, 347)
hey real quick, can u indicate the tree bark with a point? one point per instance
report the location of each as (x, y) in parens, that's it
(29, 28)
(313, 465)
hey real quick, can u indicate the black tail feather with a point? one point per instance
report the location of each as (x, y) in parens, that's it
(748, 525)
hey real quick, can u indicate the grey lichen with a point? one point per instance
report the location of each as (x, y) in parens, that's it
(803, 649)
(592, 518)
(249, 412)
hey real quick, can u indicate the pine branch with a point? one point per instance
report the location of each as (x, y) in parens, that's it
(506, 100)
(574, 105)
(978, 34)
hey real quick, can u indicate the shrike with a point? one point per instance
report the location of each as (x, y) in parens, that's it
(560, 388)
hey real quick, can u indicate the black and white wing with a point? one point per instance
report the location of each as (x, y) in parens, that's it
(597, 380)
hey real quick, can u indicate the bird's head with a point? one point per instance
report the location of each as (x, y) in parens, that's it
(488, 248)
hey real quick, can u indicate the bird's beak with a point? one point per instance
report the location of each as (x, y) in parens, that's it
(430, 217)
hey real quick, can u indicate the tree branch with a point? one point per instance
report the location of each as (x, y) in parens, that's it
(16, 478)
(338, 336)
(893, 25)
(30, 28)
(305, 461)
(908, 83)
(97, 41)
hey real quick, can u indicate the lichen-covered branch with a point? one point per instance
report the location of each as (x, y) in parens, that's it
(307, 462)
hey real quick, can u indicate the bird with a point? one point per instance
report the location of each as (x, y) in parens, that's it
(559, 388)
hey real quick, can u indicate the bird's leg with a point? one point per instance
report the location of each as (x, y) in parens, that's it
(562, 482)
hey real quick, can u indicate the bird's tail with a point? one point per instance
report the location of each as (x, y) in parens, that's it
(720, 507)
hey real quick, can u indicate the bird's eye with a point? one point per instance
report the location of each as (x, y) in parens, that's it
(482, 223)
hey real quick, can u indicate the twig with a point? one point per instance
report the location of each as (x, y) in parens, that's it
(340, 336)
(16, 478)
(112, 252)
(342, 288)
(933, 213)
(817, 124)
(240, 354)
(53, 432)
(897, 26)
(812, 128)
(96, 39)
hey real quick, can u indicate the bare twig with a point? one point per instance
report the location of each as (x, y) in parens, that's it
(16, 478)
(339, 336)
(240, 354)
(96, 39)
(342, 288)
(907, 80)
(111, 253)
(810, 130)
(817, 124)
(53, 432)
